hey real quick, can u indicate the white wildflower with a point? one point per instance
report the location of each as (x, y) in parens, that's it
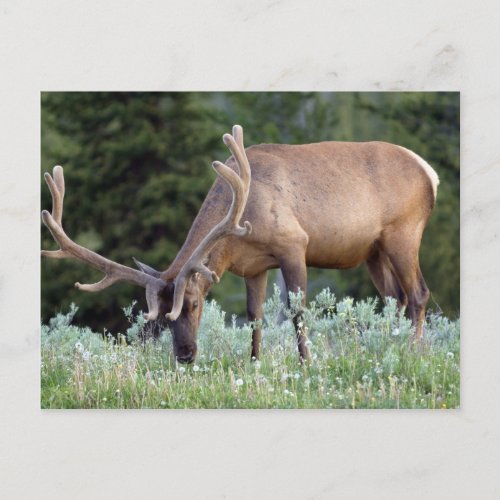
(86, 355)
(450, 355)
(239, 382)
(181, 369)
(79, 347)
(196, 368)
(296, 375)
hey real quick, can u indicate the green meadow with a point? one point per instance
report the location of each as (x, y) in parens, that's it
(363, 355)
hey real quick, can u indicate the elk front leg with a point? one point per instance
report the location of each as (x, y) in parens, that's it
(256, 294)
(294, 272)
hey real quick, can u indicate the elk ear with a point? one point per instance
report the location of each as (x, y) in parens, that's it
(147, 269)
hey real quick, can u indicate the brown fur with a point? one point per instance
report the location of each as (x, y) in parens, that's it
(327, 205)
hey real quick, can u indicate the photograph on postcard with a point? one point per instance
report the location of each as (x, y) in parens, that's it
(250, 250)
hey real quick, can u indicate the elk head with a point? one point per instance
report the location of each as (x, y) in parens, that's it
(180, 301)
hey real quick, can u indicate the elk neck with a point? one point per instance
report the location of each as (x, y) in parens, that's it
(218, 261)
(213, 209)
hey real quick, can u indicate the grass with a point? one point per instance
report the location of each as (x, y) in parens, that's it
(361, 358)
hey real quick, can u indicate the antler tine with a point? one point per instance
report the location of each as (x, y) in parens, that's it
(235, 145)
(56, 186)
(229, 225)
(68, 248)
(58, 174)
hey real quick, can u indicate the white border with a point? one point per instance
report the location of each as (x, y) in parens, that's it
(238, 45)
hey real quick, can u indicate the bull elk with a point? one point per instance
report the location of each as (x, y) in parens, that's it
(327, 205)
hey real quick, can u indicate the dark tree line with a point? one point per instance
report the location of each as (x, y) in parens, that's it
(137, 170)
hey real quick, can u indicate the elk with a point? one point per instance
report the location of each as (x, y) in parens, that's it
(327, 205)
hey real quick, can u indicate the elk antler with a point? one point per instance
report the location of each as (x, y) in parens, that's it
(68, 248)
(240, 186)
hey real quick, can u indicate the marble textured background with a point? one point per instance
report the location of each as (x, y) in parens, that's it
(258, 45)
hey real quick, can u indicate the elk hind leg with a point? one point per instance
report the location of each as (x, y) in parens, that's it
(384, 278)
(403, 255)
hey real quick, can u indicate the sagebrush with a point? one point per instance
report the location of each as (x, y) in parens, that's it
(363, 356)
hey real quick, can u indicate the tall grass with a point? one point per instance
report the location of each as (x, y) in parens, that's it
(361, 358)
